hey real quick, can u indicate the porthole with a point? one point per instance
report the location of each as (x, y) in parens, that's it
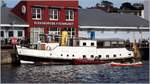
(50, 54)
(72, 55)
(120, 54)
(61, 54)
(107, 56)
(129, 54)
(114, 55)
(67, 55)
(84, 56)
(99, 56)
(92, 56)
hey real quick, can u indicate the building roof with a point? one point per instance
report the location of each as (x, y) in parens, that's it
(97, 17)
(7, 17)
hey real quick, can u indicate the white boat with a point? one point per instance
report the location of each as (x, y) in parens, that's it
(86, 52)
(127, 64)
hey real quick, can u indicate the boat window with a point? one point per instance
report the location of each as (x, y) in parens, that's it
(92, 44)
(50, 53)
(84, 44)
(61, 54)
(92, 56)
(99, 56)
(120, 54)
(114, 55)
(107, 56)
(84, 56)
(129, 54)
(67, 55)
(72, 55)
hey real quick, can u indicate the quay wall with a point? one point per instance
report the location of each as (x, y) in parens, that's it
(6, 56)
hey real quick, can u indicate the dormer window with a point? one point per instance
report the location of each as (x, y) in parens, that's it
(36, 13)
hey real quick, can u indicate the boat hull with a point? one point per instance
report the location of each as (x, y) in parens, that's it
(39, 60)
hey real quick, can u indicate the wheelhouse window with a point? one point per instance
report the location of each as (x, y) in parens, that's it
(84, 44)
(36, 13)
(69, 14)
(92, 44)
(2, 33)
(53, 14)
(20, 34)
(10, 34)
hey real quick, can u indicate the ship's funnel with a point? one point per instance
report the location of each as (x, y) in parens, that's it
(64, 38)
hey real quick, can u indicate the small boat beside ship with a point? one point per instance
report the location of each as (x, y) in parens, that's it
(84, 52)
(126, 64)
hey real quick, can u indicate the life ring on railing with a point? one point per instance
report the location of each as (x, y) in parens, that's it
(48, 48)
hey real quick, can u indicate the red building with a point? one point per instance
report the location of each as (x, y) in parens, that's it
(47, 17)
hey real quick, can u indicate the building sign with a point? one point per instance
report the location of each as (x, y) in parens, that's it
(54, 23)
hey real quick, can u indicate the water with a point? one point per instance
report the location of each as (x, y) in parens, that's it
(74, 74)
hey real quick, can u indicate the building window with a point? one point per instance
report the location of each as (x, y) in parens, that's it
(10, 34)
(53, 14)
(70, 15)
(71, 32)
(92, 44)
(36, 13)
(20, 34)
(84, 44)
(55, 31)
(2, 33)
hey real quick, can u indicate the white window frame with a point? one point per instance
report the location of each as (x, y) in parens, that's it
(53, 12)
(69, 14)
(36, 13)
(57, 32)
(71, 32)
(12, 33)
(3, 34)
(18, 34)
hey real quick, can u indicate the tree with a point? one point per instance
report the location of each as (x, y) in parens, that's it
(138, 6)
(3, 4)
(126, 6)
(106, 4)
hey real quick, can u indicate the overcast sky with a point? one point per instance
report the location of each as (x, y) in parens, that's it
(83, 3)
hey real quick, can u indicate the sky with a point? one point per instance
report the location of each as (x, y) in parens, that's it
(84, 3)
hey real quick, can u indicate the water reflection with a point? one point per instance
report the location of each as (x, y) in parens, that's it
(74, 74)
